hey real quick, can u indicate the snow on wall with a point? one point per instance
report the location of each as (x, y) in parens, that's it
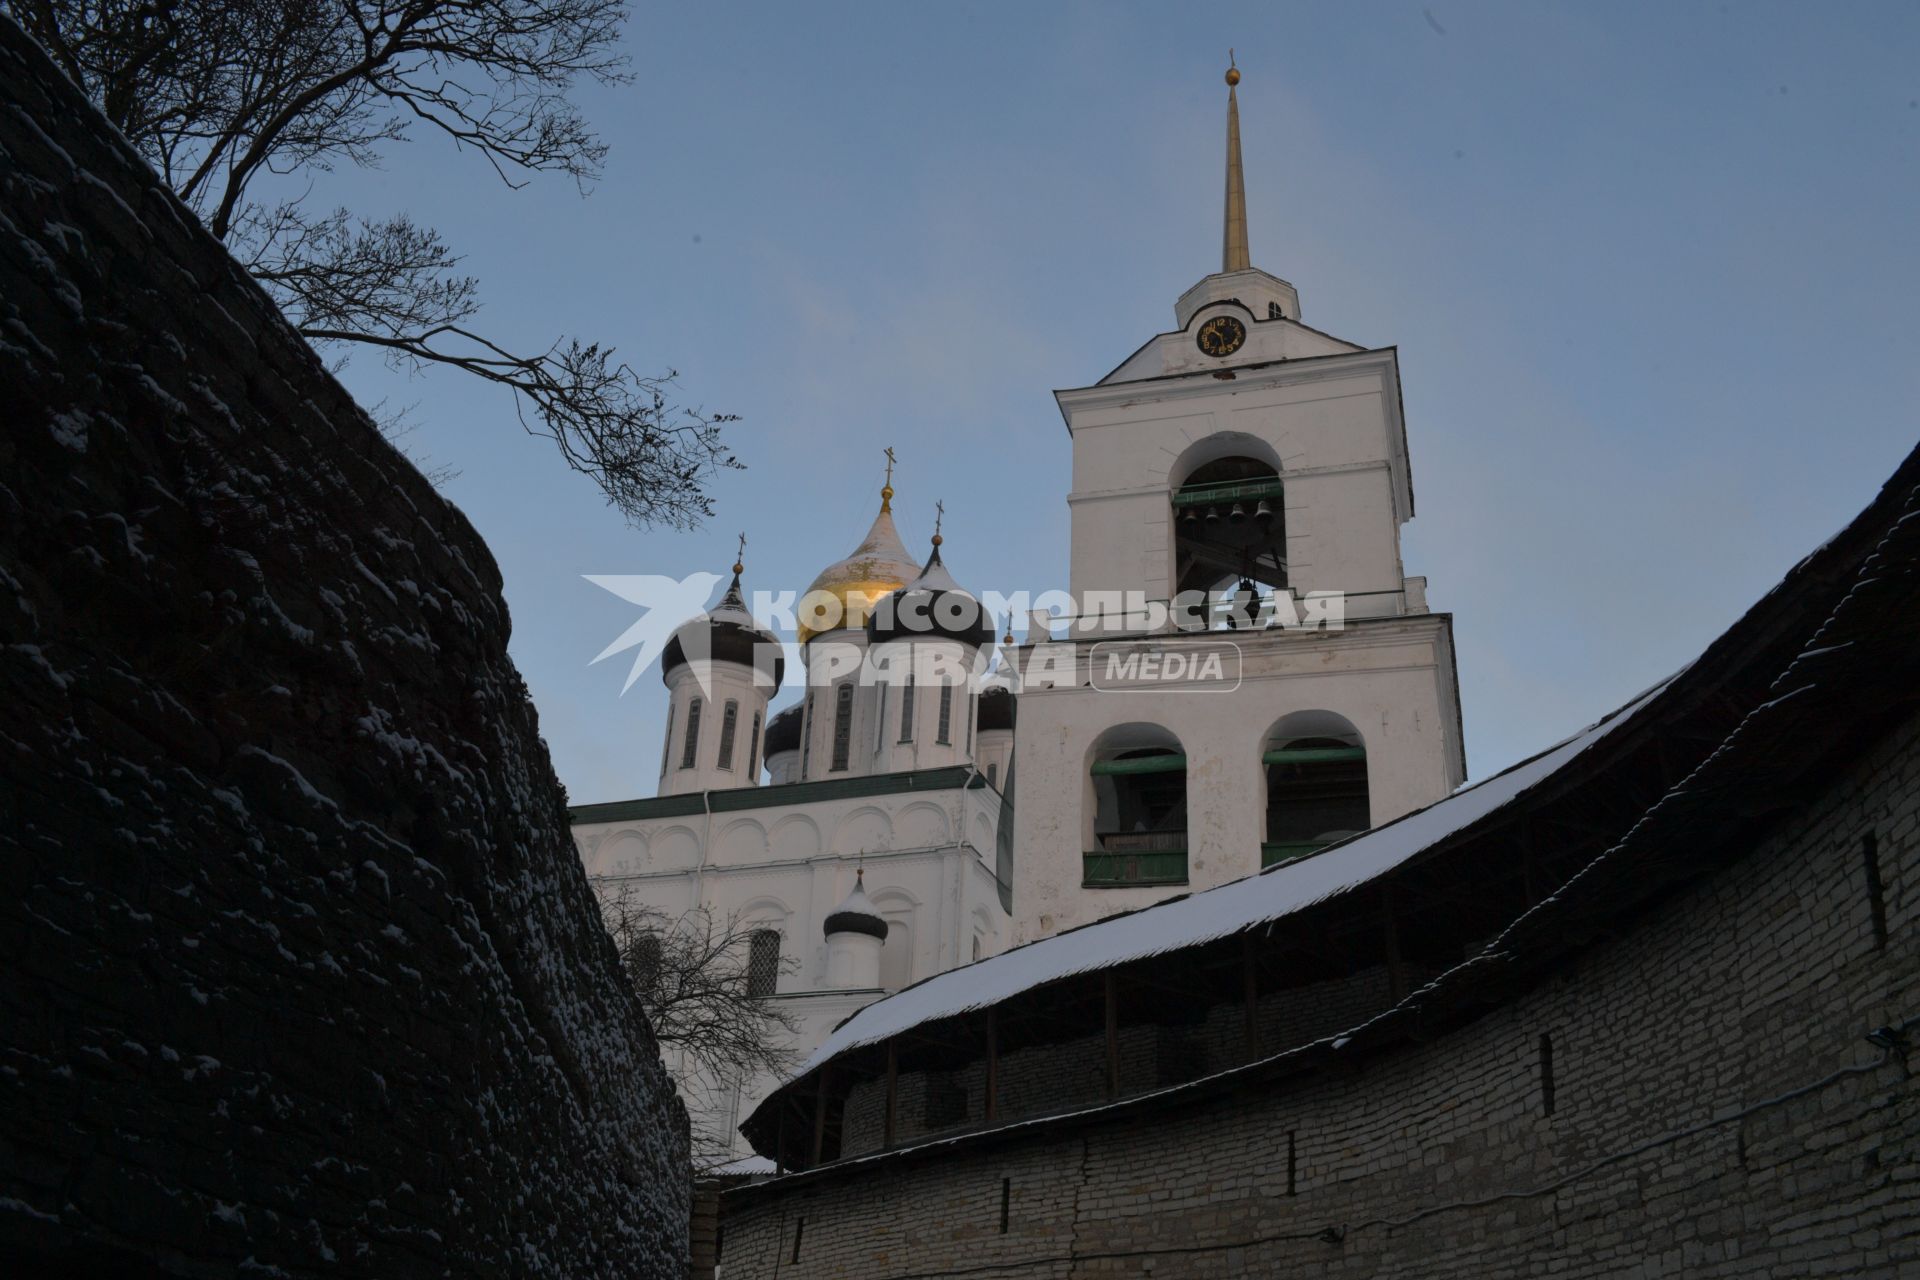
(299, 971)
(1214, 913)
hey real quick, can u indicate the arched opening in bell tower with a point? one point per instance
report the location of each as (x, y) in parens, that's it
(1316, 773)
(1229, 528)
(1136, 825)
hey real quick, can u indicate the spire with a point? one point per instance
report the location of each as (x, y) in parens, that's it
(935, 576)
(734, 600)
(1233, 237)
(886, 490)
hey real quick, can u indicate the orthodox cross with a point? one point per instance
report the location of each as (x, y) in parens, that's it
(889, 465)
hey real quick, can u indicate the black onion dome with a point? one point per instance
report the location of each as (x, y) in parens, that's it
(783, 731)
(857, 914)
(997, 705)
(729, 636)
(932, 606)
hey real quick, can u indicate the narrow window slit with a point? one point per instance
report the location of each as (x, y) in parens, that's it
(1006, 1202)
(1546, 1074)
(690, 750)
(842, 727)
(1876, 891)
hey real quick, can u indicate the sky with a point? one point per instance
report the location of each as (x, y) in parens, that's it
(1651, 271)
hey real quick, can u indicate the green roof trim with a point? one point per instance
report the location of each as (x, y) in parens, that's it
(1201, 495)
(1313, 755)
(1171, 762)
(950, 778)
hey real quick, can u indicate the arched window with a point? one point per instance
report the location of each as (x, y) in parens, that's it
(1137, 784)
(1316, 770)
(1230, 528)
(729, 723)
(896, 955)
(945, 735)
(842, 726)
(690, 750)
(753, 748)
(763, 962)
(906, 711)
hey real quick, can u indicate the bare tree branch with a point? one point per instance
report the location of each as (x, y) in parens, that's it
(217, 95)
(694, 977)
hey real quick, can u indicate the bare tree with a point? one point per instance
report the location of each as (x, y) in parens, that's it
(228, 99)
(704, 984)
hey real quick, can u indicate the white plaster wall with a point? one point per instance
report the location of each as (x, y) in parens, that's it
(783, 767)
(832, 658)
(1334, 427)
(992, 755)
(1392, 679)
(725, 681)
(928, 858)
(887, 753)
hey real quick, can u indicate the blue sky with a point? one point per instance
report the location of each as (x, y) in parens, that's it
(1651, 270)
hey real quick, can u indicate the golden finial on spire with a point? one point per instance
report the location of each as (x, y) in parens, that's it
(740, 557)
(939, 514)
(886, 490)
(1007, 640)
(1234, 255)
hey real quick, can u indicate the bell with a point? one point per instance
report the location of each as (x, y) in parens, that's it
(1213, 514)
(1238, 513)
(1191, 517)
(1264, 511)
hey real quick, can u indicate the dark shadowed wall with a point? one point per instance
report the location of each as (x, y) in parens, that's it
(298, 969)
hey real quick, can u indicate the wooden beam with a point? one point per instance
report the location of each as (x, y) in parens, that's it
(1249, 995)
(1529, 870)
(993, 1064)
(1113, 1034)
(893, 1088)
(820, 1113)
(1396, 983)
(962, 1045)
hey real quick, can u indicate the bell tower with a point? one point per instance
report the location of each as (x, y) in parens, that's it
(1239, 486)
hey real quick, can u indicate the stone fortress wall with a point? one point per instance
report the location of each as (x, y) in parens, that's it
(1691, 1097)
(299, 969)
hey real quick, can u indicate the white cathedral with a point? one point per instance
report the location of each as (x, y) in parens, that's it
(869, 834)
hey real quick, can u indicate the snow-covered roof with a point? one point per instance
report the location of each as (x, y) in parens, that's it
(1214, 913)
(744, 1167)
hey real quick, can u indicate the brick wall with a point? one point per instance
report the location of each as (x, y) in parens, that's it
(1441, 1159)
(299, 971)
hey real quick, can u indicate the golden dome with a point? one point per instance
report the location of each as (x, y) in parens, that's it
(846, 591)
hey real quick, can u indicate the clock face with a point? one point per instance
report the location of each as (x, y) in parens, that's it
(1221, 336)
